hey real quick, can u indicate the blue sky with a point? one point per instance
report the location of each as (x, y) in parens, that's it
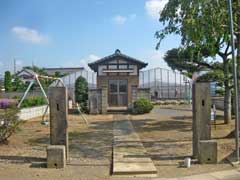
(61, 33)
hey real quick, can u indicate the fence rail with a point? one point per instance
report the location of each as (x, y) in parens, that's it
(165, 84)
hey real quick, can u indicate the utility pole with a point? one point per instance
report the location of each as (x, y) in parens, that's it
(14, 66)
(235, 80)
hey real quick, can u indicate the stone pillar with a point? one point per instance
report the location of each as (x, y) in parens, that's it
(94, 101)
(104, 99)
(201, 111)
(134, 97)
(58, 116)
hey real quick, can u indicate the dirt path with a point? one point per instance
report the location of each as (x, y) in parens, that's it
(165, 133)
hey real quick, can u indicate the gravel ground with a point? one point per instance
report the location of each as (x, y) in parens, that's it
(165, 133)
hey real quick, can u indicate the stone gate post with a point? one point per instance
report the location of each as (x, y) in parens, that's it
(58, 116)
(201, 111)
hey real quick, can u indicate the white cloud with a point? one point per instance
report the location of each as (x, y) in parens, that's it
(155, 59)
(119, 20)
(29, 35)
(91, 58)
(154, 7)
(156, 55)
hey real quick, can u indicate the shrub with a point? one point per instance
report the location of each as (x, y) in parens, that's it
(8, 81)
(9, 123)
(142, 106)
(81, 93)
(33, 101)
(7, 103)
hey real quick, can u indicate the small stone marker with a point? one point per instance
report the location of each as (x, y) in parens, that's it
(208, 152)
(201, 115)
(56, 156)
(58, 116)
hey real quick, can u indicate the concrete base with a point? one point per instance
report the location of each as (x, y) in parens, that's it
(208, 152)
(56, 156)
(129, 155)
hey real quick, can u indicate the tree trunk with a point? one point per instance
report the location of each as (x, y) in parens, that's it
(227, 95)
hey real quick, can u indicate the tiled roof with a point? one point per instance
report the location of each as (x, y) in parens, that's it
(117, 54)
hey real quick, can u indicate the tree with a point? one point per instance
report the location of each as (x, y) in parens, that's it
(59, 74)
(81, 93)
(18, 85)
(8, 81)
(44, 82)
(203, 27)
(180, 59)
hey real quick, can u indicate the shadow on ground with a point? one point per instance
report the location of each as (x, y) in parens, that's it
(22, 159)
(165, 125)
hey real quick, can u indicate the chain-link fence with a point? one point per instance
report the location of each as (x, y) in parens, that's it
(70, 79)
(165, 84)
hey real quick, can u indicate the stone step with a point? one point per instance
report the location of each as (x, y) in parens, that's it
(129, 155)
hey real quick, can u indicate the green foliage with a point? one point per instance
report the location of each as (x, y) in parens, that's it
(59, 74)
(142, 106)
(18, 85)
(8, 81)
(178, 59)
(37, 70)
(220, 92)
(33, 101)
(202, 24)
(214, 76)
(9, 123)
(81, 93)
(44, 82)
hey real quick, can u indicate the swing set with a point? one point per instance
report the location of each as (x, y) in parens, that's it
(32, 77)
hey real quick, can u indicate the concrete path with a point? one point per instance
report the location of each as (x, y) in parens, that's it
(129, 154)
(220, 175)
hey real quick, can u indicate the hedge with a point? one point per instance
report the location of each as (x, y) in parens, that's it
(33, 101)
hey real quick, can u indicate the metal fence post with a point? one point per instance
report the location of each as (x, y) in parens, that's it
(155, 79)
(180, 86)
(161, 83)
(168, 82)
(149, 80)
(175, 75)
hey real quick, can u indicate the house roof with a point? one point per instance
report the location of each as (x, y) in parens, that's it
(117, 54)
(65, 68)
(28, 72)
